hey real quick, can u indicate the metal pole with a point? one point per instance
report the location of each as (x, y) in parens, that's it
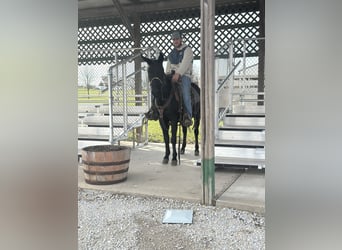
(244, 61)
(124, 95)
(110, 91)
(242, 93)
(113, 50)
(231, 81)
(217, 101)
(208, 101)
(148, 85)
(116, 68)
(111, 98)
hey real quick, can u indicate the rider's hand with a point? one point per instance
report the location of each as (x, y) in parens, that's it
(175, 77)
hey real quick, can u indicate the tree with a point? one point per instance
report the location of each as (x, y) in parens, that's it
(87, 76)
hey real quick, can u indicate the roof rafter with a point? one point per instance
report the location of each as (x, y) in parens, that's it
(124, 17)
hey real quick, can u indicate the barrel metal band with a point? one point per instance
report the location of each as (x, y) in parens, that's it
(106, 173)
(105, 182)
(91, 163)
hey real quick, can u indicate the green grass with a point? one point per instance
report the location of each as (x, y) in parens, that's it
(155, 133)
(154, 130)
(95, 96)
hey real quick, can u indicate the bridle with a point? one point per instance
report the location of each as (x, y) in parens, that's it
(168, 100)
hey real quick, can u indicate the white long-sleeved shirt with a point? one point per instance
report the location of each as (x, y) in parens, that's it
(185, 67)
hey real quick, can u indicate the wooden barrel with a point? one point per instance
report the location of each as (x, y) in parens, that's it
(105, 164)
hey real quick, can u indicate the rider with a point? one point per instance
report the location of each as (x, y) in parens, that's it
(180, 62)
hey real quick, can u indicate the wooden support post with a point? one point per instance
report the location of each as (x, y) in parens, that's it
(261, 53)
(208, 101)
(137, 66)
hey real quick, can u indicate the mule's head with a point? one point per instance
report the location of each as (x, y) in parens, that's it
(156, 74)
(155, 67)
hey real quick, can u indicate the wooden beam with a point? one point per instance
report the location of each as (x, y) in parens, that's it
(208, 101)
(123, 17)
(96, 10)
(261, 52)
(137, 67)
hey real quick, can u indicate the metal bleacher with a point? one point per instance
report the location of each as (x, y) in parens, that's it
(121, 116)
(240, 130)
(94, 124)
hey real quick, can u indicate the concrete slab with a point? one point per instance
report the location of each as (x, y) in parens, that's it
(147, 176)
(246, 193)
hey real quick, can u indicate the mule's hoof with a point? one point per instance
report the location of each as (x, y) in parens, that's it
(174, 163)
(182, 151)
(196, 153)
(165, 161)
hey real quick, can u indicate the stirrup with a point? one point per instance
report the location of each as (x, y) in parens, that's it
(187, 121)
(152, 114)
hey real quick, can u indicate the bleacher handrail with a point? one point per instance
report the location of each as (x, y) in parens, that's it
(230, 77)
(122, 63)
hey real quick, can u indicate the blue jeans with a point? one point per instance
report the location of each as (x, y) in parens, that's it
(186, 89)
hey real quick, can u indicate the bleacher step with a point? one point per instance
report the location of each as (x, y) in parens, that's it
(104, 109)
(244, 120)
(239, 134)
(239, 162)
(103, 121)
(239, 143)
(249, 109)
(238, 152)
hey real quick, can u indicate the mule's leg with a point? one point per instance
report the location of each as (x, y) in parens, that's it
(196, 126)
(174, 142)
(165, 128)
(185, 132)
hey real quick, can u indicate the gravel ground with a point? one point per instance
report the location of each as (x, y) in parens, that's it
(112, 221)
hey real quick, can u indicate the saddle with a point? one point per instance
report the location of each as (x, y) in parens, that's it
(195, 99)
(154, 114)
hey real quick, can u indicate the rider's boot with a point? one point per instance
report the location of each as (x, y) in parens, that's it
(187, 121)
(152, 114)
